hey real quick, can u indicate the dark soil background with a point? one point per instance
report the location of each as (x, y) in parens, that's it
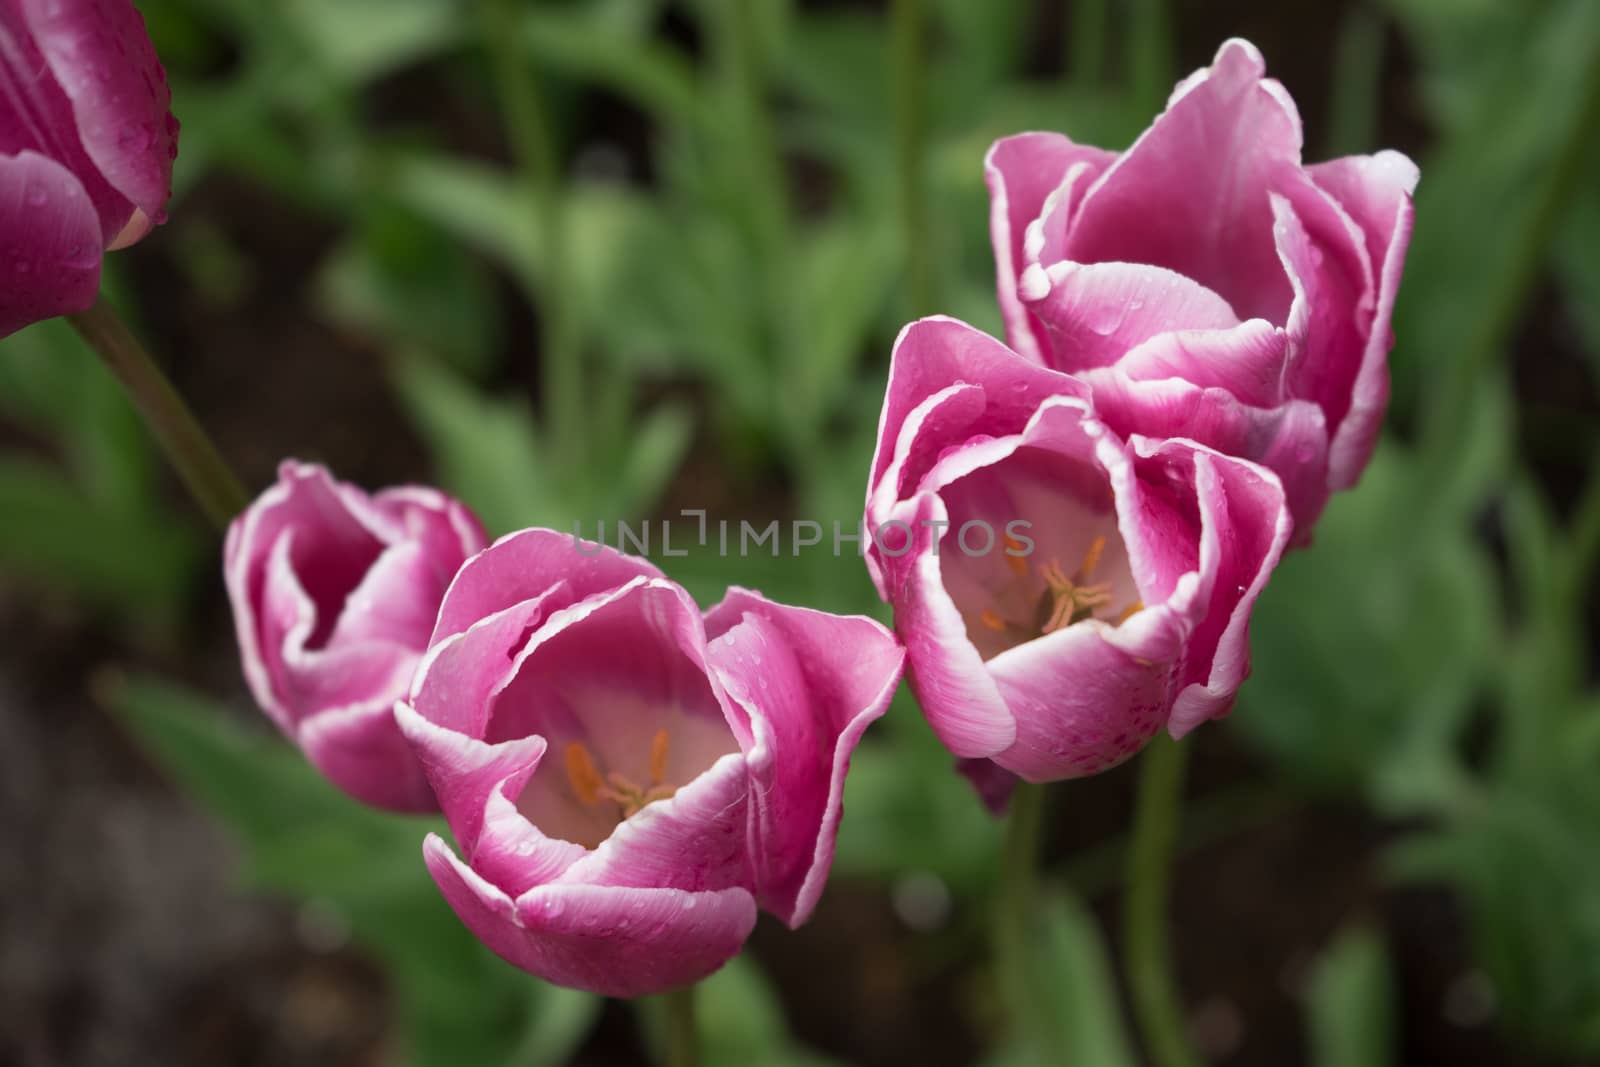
(125, 941)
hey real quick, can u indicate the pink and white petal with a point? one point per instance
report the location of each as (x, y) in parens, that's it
(1376, 192)
(459, 676)
(1047, 236)
(102, 57)
(1095, 313)
(1087, 697)
(1245, 526)
(396, 601)
(935, 353)
(361, 750)
(513, 853)
(53, 263)
(814, 682)
(1191, 193)
(958, 698)
(1022, 172)
(1291, 439)
(1333, 303)
(526, 564)
(467, 775)
(613, 941)
(697, 840)
(1249, 361)
(447, 530)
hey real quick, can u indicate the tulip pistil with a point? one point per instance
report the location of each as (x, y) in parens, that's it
(591, 787)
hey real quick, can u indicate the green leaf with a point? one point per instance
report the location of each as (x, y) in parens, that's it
(1390, 582)
(1084, 1026)
(741, 1021)
(359, 41)
(303, 838)
(485, 447)
(56, 533)
(605, 45)
(1352, 1000)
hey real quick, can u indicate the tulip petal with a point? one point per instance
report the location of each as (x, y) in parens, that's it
(958, 698)
(812, 683)
(1087, 697)
(1244, 528)
(1022, 173)
(933, 354)
(52, 263)
(1230, 133)
(363, 750)
(526, 564)
(1094, 313)
(614, 941)
(1376, 192)
(696, 840)
(102, 58)
(458, 676)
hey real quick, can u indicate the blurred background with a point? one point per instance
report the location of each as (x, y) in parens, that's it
(726, 209)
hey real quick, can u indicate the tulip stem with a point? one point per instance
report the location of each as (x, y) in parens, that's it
(1147, 954)
(531, 133)
(1016, 908)
(682, 1047)
(205, 473)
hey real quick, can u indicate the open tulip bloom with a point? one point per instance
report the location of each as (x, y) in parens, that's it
(87, 142)
(334, 596)
(1206, 285)
(627, 778)
(1062, 592)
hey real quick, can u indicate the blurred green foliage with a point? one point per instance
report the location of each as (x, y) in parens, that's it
(735, 278)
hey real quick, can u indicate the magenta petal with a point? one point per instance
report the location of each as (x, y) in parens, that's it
(992, 782)
(812, 683)
(936, 353)
(1376, 192)
(1087, 697)
(1247, 361)
(1244, 528)
(1095, 313)
(1022, 172)
(465, 771)
(52, 263)
(458, 677)
(696, 840)
(101, 56)
(527, 564)
(957, 695)
(608, 940)
(1191, 194)
(361, 749)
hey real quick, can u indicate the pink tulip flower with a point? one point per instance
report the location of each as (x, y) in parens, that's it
(626, 778)
(87, 142)
(1062, 592)
(334, 596)
(1205, 284)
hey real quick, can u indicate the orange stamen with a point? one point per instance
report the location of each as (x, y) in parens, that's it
(992, 620)
(1015, 559)
(658, 757)
(581, 772)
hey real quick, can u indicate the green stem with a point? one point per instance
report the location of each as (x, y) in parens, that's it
(205, 473)
(1016, 908)
(533, 143)
(682, 1047)
(1147, 954)
(908, 43)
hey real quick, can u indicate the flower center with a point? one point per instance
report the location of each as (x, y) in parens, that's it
(1064, 600)
(592, 788)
